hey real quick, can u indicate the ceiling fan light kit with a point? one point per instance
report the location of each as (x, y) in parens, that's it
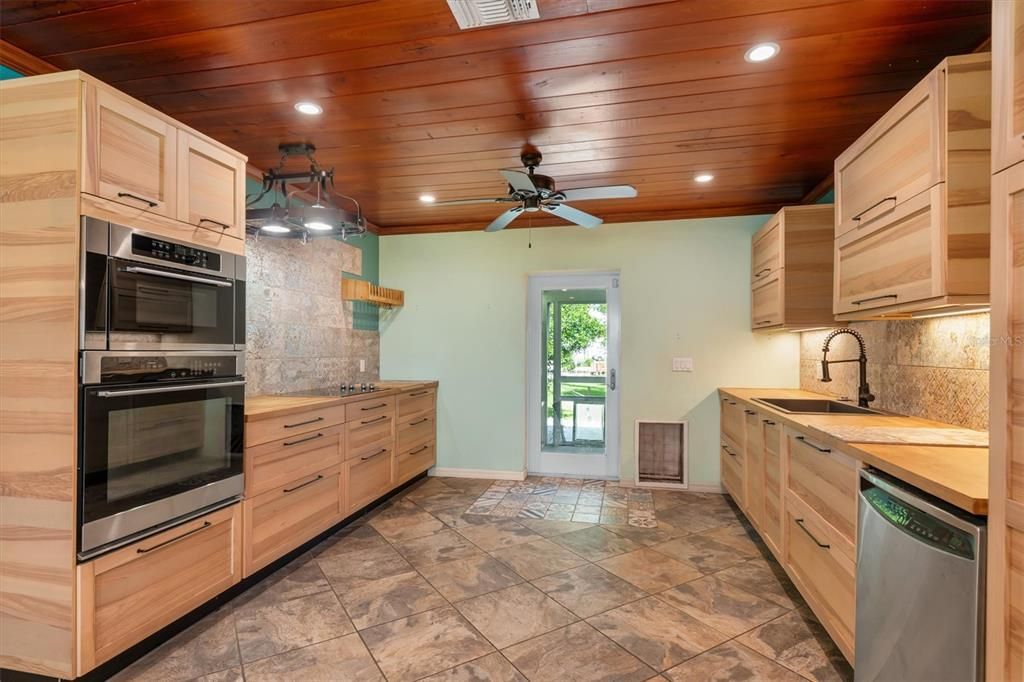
(534, 192)
(327, 216)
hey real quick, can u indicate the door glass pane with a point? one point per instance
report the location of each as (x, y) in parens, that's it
(575, 348)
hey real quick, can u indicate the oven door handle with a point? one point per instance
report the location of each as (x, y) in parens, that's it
(176, 275)
(166, 389)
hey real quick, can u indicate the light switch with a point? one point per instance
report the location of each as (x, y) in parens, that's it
(362, 365)
(682, 364)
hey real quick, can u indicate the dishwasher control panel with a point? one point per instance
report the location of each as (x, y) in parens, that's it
(923, 526)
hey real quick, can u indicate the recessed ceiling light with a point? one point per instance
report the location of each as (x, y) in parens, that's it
(309, 108)
(762, 52)
(427, 198)
(276, 228)
(317, 225)
(704, 177)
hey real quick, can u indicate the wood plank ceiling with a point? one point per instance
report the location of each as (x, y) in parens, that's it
(644, 92)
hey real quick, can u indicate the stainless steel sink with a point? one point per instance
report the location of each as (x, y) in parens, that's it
(814, 406)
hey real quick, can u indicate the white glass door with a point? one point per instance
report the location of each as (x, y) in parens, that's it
(573, 380)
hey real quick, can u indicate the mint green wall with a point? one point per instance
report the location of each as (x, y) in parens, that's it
(6, 73)
(685, 291)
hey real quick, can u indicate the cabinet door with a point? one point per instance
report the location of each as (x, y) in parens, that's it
(766, 250)
(127, 595)
(732, 419)
(369, 477)
(899, 262)
(211, 186)
(772, 484)
(1007, 83)
(826, 480)
(766, 302)
(1005, 592)
(129, 154)
(414, 461)
(754, 464)
(899, 157)
(733, 476)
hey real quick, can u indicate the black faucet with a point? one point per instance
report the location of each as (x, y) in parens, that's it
(864, 395)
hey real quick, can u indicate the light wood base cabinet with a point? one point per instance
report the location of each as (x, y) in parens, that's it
(825, 479)
(280, 463)
(753, 465)
(368, 477)
(733, 471)
(127, 595)
(414, 461)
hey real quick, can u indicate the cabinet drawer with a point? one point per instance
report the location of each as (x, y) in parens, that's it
(898, 262)
(278, 428)
(369, 476)
(772, 500)
(369, 434)
(766, 302)
(896, 159)
(367, 409)
(280, 520)
(733, 471)
(127, 595)
(772, 435)
(415, 430)
(826, 480)
(415, 461)
(732, 419)
(211, 186)
(753, 466)
(766, 251)
(279, 463)
(414, 402)
(825, 575)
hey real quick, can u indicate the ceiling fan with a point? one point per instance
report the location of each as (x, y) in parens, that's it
(534, 192)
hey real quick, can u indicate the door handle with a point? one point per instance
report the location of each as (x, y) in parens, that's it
(319, 477)
(219, 224)
(611, 380)
(136, 197)
(809, 444)
(857, 218)
(145, 550)
(135, 269)
(800, 522)
(303, 440)
(874, 298)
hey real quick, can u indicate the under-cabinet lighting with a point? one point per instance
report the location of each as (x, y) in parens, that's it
(427, 198)
(703, 177)
(951, 313)
(309, 108)
(761, 52)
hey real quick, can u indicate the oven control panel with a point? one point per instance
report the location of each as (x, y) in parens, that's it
(116, 368)
(174, 253)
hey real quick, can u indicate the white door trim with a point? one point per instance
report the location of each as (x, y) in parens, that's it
(536, 283)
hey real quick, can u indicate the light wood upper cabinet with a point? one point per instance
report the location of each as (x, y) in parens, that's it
(912, 201)
(129, 154)
(791, 270)
(1007, 83)
(211, 186)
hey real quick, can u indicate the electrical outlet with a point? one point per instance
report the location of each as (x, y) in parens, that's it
(682, 364)
(362, 365)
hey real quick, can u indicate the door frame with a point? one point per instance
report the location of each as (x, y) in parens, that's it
(587, 279)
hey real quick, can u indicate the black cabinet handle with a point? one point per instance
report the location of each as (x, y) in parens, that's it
(874, 298)
(303, 485)
(769, 422)
(303, 440)
(419, 421)
(419, 450)
(379, 452)
(750, 412)
(311, 421)
(800, 522)
(729, 452)
(419, 393)
(809, 444)
(762, 272)
(857, 217)
(374, 420)
(143, 550)
(373, 407)
(223, 226)
(129, 195)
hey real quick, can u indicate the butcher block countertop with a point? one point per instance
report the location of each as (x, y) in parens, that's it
(268, 406)
(953, 468)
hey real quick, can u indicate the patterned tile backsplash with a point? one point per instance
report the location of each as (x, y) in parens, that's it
(934, 368)
(299, 331)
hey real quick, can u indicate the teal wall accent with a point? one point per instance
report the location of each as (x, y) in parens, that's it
(685, 291)
(8, 73)
(828, 198)
(364, 315)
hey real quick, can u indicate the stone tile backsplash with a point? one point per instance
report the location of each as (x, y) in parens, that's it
(935, 368)
(299, 331)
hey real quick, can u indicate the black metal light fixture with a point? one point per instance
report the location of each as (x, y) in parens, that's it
(325, 217)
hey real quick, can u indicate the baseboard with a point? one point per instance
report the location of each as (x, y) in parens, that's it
(478, 473)
(705, 488)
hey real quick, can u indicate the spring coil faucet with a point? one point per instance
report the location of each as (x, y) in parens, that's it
(864, 395)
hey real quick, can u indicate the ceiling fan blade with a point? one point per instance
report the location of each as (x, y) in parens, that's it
(609, 192)
(466, 202)
(504, 219)
(573, 215)
(520, 182)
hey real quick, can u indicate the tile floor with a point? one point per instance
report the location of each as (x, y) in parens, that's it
(423, 589)
(567, 499)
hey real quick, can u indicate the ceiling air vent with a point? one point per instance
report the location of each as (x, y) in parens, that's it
(477, 13)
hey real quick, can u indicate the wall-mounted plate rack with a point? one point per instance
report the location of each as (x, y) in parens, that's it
(368, 292)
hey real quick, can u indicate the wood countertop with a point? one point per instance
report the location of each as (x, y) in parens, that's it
(268, 406)
(954, 473)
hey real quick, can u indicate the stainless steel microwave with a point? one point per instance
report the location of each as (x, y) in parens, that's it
(142, 291)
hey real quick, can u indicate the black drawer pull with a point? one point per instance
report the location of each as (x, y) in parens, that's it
(374, 420)
(762, 272)
(143, 550)
(223, 226)
(379, 452)
(303, 485)
(874, 298)
(303, 440)
(763, 322)
(311, 421)
(373, 407)
(419, 450)
(812, 445)
(878, 203)
(413, 395)
(750, 412)
(419, 421)
(800, 522)
(729, 452)
(769, 422)
(129, 195)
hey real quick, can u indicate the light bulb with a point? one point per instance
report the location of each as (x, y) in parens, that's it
(317, 225)
(308, 108)
(761, 52)
(276, 228)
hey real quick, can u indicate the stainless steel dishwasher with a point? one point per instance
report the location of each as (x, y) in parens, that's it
(920, 586)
